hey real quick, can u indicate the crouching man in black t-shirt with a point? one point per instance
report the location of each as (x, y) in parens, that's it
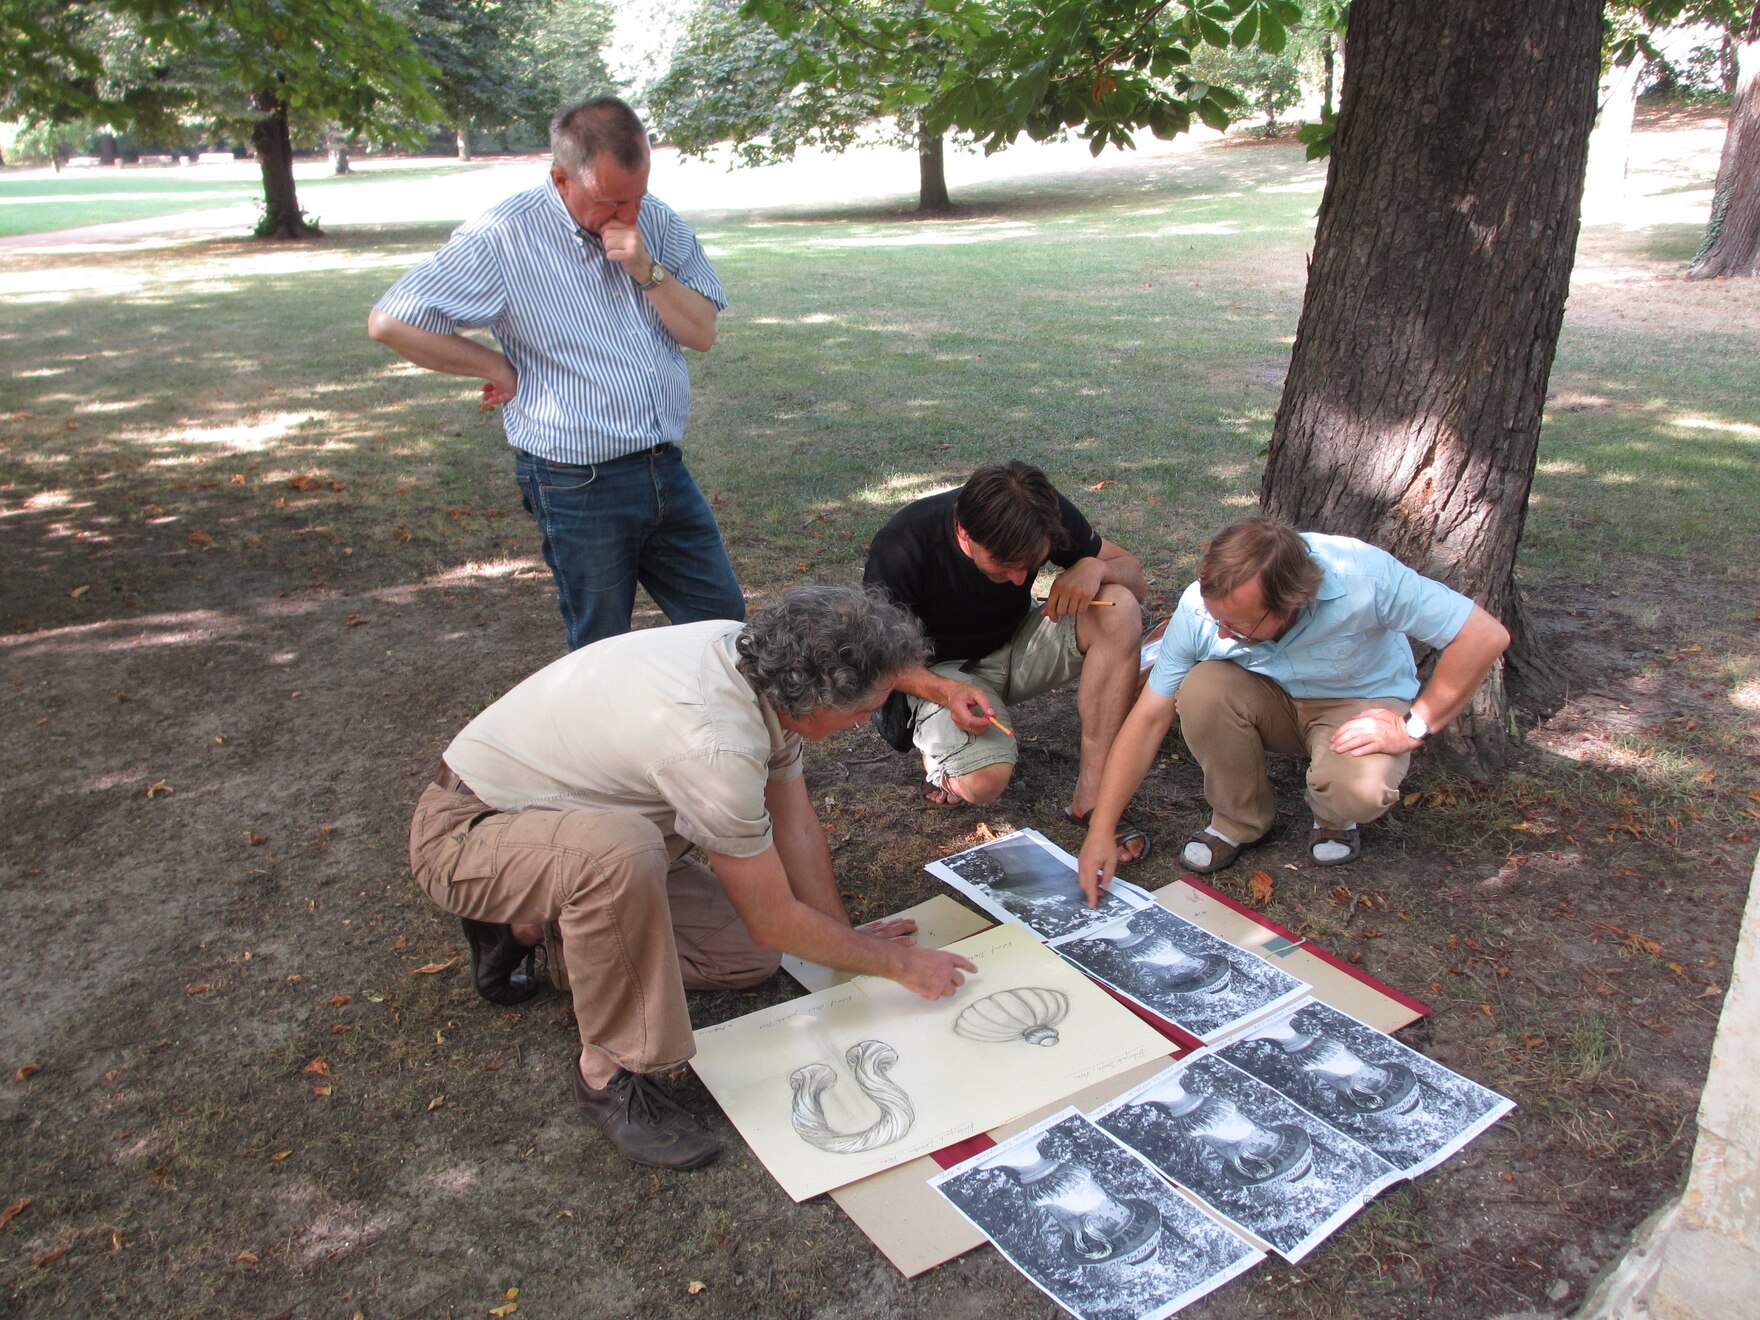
(964, 563)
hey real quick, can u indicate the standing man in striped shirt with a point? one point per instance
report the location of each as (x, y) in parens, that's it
(592, 289)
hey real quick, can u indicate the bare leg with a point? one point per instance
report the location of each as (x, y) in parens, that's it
(1110, 642)
(980, 788)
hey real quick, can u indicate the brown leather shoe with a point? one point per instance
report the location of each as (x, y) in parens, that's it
(643, 1123)
(501, 967)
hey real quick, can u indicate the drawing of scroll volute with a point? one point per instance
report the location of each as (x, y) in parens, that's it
(1173, 970)
(1253, 1155)
(869, 1061)
(1030, 1014)
(1366, 1088)
(1094, 1227)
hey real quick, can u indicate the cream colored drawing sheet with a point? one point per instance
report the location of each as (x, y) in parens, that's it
(940, 921)
(860, 1077)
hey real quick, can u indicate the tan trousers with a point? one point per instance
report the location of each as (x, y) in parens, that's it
(1231, 717)
(637, 929)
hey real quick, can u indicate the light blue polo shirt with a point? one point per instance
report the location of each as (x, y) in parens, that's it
(1351, 642)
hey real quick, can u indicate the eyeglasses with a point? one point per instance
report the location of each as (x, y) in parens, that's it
(1244, 636)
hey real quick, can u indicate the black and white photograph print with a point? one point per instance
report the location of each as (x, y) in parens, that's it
(1408, 1109)
(1026, 878)
(1200, 983)
(1093, 1225)
(1260, 1161)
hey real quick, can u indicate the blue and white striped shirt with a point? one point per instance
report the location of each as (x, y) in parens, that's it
(599, 375)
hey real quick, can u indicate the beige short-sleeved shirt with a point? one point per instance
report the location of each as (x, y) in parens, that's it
(659, 722)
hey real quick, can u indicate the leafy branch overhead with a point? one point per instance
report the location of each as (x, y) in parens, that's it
(999, 68)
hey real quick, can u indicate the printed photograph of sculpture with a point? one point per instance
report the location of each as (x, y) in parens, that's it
(1092, 1225)
(1201, 984)
(1026, 878)
(1407, 1108)
(1248, 1152)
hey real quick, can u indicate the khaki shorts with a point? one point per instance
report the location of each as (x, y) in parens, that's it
(1040, 657)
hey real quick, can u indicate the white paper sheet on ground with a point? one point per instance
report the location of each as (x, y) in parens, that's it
(1198, 981)
(860, 1077)
(1027, 879)
(1407, 1108)
(1092, 1224)
(1150, 654)
(940, 922)
(1265, 1164)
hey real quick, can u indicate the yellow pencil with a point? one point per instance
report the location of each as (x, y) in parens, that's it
(1107, 603)
(999, 724)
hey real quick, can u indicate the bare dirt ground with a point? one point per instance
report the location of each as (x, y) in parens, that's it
(231, 1088)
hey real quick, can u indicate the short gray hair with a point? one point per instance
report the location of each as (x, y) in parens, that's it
(605, 124)
(824, 646)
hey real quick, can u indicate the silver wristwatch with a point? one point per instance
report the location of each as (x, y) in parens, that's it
(656, 276)
(1416, 729)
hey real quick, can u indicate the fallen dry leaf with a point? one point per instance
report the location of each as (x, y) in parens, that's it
(435, 1103)
(159, 786)
(337, 1001)
(14, 1210)
(50, 1257)
(1261, 886)
(511, 1295)
(199, 988)
(116, 1239)
(26, 1071)
(200, 539)
(77, 592)
(281, 1154)
(428, 969)
(506, 1308)
(324, 1092)
(565, 1214)
(1486, 1010)
(1102, 485)
(245, 1258)
(318, 1065)
(257, 840)
(694, 1287)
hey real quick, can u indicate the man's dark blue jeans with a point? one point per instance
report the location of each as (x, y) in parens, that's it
(637, 519)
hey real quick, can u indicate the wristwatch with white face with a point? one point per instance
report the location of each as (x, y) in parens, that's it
(656, 276)
(1416, 729)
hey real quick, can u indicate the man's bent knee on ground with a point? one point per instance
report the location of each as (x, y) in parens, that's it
(572, 800)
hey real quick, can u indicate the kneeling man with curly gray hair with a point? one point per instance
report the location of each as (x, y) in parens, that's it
(572, 801)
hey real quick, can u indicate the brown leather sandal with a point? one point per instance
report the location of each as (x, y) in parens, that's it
(1222, 852)
(1351, 838)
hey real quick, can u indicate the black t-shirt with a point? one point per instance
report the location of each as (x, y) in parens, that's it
(919, 563)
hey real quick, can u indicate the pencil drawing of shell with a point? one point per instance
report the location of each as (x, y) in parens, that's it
(869, 1061)
(1030, 1014)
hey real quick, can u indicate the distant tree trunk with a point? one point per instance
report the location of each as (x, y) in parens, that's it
(1732, 238)
(1610, 142)
(1411, 413)
(463, 133)
(338, 143)
(932, 195)
(1326, 63)
(106, 148)
(281, 214)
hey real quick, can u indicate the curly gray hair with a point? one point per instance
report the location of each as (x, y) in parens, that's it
(825, 646)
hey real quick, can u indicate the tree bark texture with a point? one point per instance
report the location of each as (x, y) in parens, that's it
(274, 146)
(1732, 238)
(1442, 256)
(931, 174)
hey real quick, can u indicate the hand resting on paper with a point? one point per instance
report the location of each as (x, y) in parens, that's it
(902, 930)
(934, 973)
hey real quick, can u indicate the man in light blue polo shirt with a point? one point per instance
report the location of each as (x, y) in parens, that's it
(592, 290)
(1295, 643)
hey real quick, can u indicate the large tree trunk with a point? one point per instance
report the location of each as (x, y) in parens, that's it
(1411, 413)
(1732, 239)
(932, 195)
(1610, 143)
(282, 217)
